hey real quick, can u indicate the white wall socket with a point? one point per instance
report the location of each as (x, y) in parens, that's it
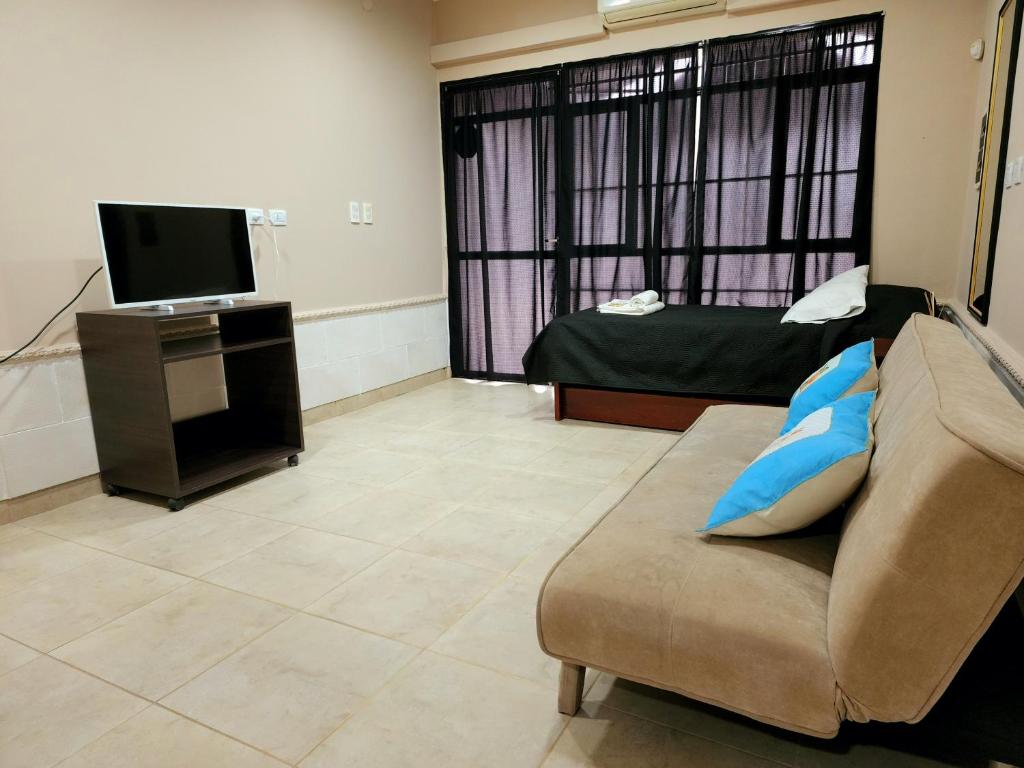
(367, 213)
(354, 215)
(255, 217)
(278, 217)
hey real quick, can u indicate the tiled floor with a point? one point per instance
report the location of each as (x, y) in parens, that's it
(373, 607)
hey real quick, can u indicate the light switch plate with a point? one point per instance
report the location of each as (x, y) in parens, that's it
(367, 213)
(353, 212)
(255, 217)
(278, 217)
(1011, 168)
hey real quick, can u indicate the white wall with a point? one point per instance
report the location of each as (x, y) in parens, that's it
(46, 434)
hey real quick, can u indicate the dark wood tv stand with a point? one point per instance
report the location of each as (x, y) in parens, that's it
(139, 447)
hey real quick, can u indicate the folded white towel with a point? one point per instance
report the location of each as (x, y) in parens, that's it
(630, 310)
(645, 298)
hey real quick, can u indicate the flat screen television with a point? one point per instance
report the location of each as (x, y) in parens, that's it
(165, 254)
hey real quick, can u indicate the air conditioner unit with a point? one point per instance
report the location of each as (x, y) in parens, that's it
(624, 13)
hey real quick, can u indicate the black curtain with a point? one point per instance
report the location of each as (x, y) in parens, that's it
(499, 160)
(786, 161)
(626, 175)
(737, 171)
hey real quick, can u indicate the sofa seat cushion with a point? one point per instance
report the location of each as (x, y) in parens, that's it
(739, 623)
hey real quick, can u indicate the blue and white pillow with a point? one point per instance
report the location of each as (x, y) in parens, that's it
(803, 475)
(852, 370)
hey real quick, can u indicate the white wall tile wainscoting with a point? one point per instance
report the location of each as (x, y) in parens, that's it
(46, 433)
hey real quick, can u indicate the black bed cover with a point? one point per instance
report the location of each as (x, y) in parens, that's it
(729, 352)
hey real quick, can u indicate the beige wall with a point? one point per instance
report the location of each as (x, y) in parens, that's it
(301, 104)
(459, 19)
(1006, 313)
(925, 135)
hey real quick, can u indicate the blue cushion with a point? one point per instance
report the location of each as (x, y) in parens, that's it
(851, 371)
(803, 475)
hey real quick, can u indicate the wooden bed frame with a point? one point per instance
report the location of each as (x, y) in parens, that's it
(656, 410)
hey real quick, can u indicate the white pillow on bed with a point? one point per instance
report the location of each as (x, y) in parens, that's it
(842, 296)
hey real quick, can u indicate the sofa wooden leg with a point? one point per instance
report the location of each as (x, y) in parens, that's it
(570, 688)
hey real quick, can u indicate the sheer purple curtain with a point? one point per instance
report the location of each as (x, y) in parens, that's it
(627, 175)
(786, 166)
(499, 157)
(737, 171)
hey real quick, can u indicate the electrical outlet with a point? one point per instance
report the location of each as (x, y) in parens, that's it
(278, 217)
(353, 212)
(255, 217)
(367, 213)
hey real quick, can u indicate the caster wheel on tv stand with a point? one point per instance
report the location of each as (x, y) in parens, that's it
(175, 505)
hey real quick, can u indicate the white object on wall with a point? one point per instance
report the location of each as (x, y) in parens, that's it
(367, 213)
(278, 217)
(978, 49)
(353, 212)
(623, 13)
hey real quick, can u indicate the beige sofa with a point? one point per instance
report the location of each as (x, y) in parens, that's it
(811, 629)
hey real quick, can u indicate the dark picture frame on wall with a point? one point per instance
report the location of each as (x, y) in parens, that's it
(992, 161)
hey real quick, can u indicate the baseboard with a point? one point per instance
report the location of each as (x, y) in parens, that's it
(20, 507)
(46, 499)
(354, 403)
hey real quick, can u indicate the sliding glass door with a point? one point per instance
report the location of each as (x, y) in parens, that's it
(736, 171)
(499, 155)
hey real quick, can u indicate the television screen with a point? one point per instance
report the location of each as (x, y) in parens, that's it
(159, 254)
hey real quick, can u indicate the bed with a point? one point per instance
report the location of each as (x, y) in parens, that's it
(664, 369)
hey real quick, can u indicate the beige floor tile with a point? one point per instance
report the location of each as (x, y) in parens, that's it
(606, 738)
(535, 568)
(156, 738)
(297, 568)
(364, 466)
(288, 496)
(288, 690)
(34, 556)
(406, 596)
(386, 516)
(54, 611)
(630, 440)
(483, 538)
(532, 493)
(10, 532)
(501, 451)
(582, 462)
(412, 415)
(107, 523)
(456, 481)
(212, 538)
(159, 647)
(540, 424)
(427, 442)
(49, 711)
(500, 633)
(443, 713)
(356, 431)
(693, 717)
(14, 655)
(474, 422)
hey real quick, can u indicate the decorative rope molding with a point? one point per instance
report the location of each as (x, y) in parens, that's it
(362, 309)
(70, 349)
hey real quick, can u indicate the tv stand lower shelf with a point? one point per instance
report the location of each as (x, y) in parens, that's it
(140, 447)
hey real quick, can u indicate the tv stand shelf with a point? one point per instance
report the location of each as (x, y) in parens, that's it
(175, 350)
(139, 447)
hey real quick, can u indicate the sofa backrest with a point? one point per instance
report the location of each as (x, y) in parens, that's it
(933, 544)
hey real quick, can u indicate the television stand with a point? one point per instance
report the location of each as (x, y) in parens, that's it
(139, 447)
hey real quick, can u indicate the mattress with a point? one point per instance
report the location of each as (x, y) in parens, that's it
(724, 352)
